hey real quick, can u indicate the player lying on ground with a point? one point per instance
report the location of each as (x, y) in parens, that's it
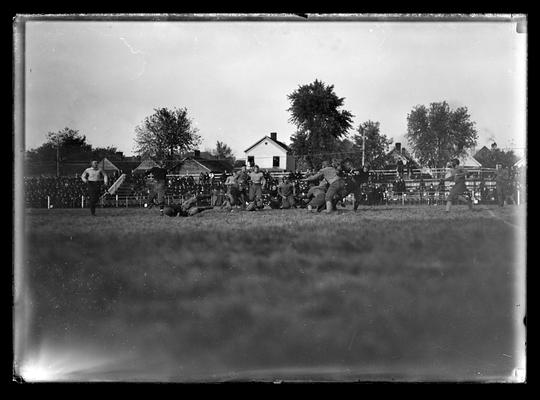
(188, 208)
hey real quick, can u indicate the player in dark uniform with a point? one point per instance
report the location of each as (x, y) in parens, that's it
(242, 179)
(361, 179)
(286, 192)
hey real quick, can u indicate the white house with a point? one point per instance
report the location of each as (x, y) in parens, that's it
(269, 153)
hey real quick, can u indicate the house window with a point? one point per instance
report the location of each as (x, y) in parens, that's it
(275, 162)
(251, 161)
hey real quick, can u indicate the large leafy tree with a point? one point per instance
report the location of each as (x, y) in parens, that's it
(316, 111)
(223, 152)
(376, 144)
(65, 145)
(166, 134)
(68, 145)
(437, 134)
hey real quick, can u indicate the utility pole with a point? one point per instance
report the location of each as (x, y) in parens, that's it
(57, 156)
(363, 146)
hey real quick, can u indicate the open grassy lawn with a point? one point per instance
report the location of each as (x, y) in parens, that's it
(392, 293)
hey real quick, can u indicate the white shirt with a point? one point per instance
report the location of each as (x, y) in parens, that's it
(94, 175)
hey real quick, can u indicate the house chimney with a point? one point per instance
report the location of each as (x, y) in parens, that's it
(273, 135)
(196, 154)
(398, 147)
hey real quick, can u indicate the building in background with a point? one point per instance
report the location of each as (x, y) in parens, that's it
(270, 154)
(196, 164)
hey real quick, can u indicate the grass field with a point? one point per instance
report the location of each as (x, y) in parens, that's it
(386, 293)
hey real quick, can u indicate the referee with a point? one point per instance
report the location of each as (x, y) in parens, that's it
(93, 177)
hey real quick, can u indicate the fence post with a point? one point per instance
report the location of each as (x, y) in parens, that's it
(116, 200)
(126, 202)
(48, 202)
(82, 201)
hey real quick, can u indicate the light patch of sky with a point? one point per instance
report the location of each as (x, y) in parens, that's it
(104, 78)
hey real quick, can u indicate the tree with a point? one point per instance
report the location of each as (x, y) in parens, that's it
(166, 134)
(66, 145)
(223, 152)
(315, 110)
(438, 134)
(376, 144)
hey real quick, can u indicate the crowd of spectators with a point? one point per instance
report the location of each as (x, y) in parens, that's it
(57, 192)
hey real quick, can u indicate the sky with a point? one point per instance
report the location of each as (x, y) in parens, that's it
(104, 78)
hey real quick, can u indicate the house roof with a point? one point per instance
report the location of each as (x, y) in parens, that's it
(394, 155)
(469, 161)
(280, 144)
(210, 165)
(215, 165)
(107, 165)
(126, 166)
(202, 154)
(146, 164)
(483, 150)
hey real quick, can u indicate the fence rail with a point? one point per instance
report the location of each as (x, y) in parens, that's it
(412, 195)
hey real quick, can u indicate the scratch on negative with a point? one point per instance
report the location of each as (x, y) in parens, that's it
(131, 49)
